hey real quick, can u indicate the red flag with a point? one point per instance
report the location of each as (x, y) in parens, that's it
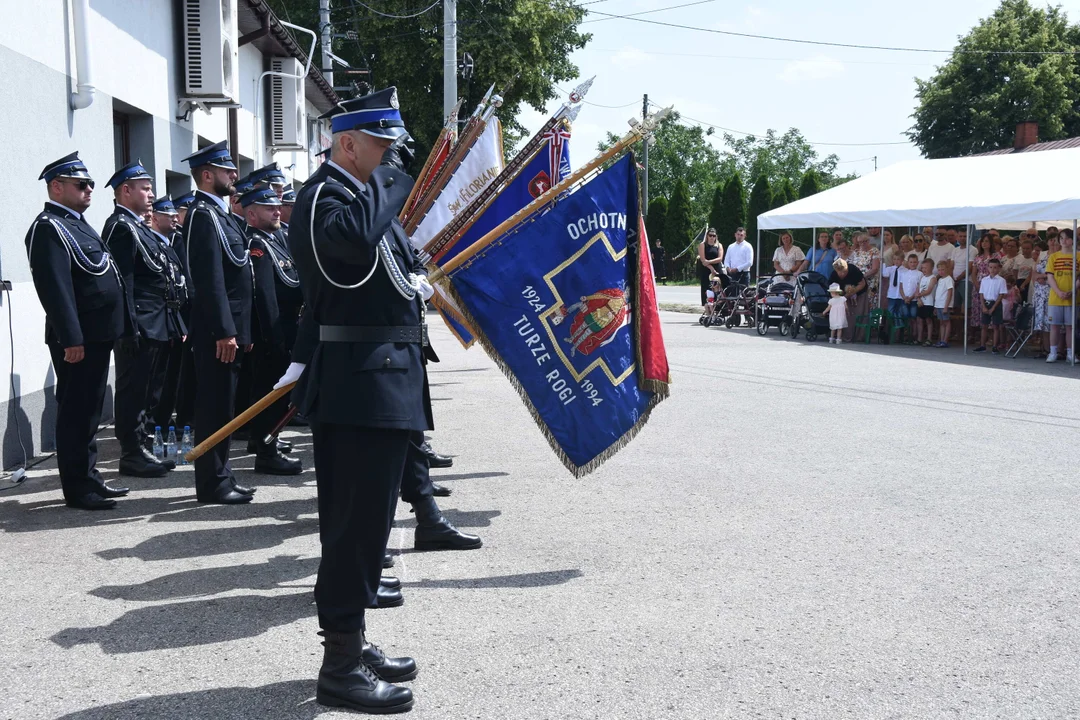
(654, 374)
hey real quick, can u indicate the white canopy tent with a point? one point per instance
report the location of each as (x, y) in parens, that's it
(1013, 190)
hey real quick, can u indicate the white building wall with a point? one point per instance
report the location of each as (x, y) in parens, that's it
(136, 57)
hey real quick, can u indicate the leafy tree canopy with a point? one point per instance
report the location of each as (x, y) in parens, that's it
(522, 46)
(977, 98)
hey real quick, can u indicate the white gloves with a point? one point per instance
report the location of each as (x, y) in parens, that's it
(291, 375)
(423, 286)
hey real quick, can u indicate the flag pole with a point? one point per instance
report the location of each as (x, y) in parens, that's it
(638, 131)
(238, 422)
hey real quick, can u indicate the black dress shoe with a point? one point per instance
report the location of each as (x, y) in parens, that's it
(152, 458)
(444, 536)
(271, 462)
(435, 460)
(113, 492)
(391, 582)
(244, 489)
(387, 561)
(440, 490)
(345, 680)
(91, 501)
(392, 670)
(387, 598)
(282, 445)
(226, 497)
(137, 465)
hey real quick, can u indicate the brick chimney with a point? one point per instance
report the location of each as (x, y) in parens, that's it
(1027, 133)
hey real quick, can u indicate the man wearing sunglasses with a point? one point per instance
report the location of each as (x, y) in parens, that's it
(80, 290)
(143, 263)
(221, 279)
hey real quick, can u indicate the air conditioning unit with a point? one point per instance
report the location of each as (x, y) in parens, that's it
(211, 50)
(287, 104)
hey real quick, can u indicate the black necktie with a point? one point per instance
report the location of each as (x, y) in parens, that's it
(895, 276)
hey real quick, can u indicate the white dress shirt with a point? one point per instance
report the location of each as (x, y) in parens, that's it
(739, 256)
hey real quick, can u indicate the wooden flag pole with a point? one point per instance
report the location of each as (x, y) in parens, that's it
(238, 422)
(636, 133)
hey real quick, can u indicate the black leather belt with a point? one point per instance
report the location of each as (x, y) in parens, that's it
(416, 334)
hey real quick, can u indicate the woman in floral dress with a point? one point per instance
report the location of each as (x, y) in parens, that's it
(868, 259)
(1040, 292)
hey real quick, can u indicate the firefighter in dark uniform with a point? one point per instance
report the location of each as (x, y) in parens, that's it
(276, 313)
(185, 390)
(83, 298)
(288, 201)
(166, 374)
(141, 260)
(221, 280)
(246, 377)
(365, 390)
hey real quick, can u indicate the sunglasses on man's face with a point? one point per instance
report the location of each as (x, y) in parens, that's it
(81, 184)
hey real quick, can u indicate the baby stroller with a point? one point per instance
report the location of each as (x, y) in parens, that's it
(775, 298)
(715, 303)
(737, 302)
(811, 302)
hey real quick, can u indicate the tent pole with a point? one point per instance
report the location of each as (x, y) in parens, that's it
(757, 256)
(1072, 290)
(967, 290)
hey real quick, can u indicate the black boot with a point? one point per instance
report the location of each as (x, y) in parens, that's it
(390, 669)
(435, 532)
(387, 560)
(282, 445)
(387, 597)
(270, 461)
(389, 581)
(345, 680)
(435, 460)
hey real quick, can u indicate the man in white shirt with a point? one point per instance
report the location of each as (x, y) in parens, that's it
(739, 258)
(941, 248)
(962, 256)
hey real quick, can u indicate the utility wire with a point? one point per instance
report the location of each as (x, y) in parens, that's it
(824, 43)
(354, 3)
(643, 12)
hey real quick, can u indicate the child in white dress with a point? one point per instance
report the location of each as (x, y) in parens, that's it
(837, 313)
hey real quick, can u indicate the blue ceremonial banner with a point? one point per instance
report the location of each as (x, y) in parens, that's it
(553, 302)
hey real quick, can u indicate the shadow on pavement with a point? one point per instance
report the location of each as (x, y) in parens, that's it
(289, 510)
(203, 622)
(52, 514)
(290, 700)
(523, 580)
(270, 575)
(214, 541)
(460, 518)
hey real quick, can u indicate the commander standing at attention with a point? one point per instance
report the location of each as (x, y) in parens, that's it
(365, 390)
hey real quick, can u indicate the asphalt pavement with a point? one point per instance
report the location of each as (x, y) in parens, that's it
(800, 531)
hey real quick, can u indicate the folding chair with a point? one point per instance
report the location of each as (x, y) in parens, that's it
(1020, 330)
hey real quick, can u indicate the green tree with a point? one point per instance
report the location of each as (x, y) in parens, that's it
(975, 100)
(809, 186)
(656, 221)
(716, 210)
(778, 157)
(732, 209)
(522, 46)
(760, 202)
(678, 226)
(682, 152)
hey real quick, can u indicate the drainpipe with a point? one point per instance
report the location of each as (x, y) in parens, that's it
(84, 94)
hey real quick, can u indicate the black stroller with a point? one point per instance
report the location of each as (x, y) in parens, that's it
(775, 298)
(811, 302)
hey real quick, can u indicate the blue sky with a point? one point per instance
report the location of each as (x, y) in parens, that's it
(832, 95)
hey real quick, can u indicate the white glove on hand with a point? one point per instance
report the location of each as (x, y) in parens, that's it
(424, 287)
(291, 375)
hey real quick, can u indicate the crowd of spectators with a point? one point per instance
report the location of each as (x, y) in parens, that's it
(927, 276)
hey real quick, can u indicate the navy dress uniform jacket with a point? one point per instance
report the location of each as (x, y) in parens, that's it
(278, 297)
(220, 273)
(143, 262)
(80, 307)
(379, 385)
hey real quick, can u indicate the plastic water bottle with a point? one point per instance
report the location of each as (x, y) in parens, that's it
(185, 446)
(170, 444)
(159, 445)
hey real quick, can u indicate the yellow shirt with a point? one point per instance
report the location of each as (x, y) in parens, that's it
(1060, 266)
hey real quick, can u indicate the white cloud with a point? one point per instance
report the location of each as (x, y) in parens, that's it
(818, 67)
(629, 57)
